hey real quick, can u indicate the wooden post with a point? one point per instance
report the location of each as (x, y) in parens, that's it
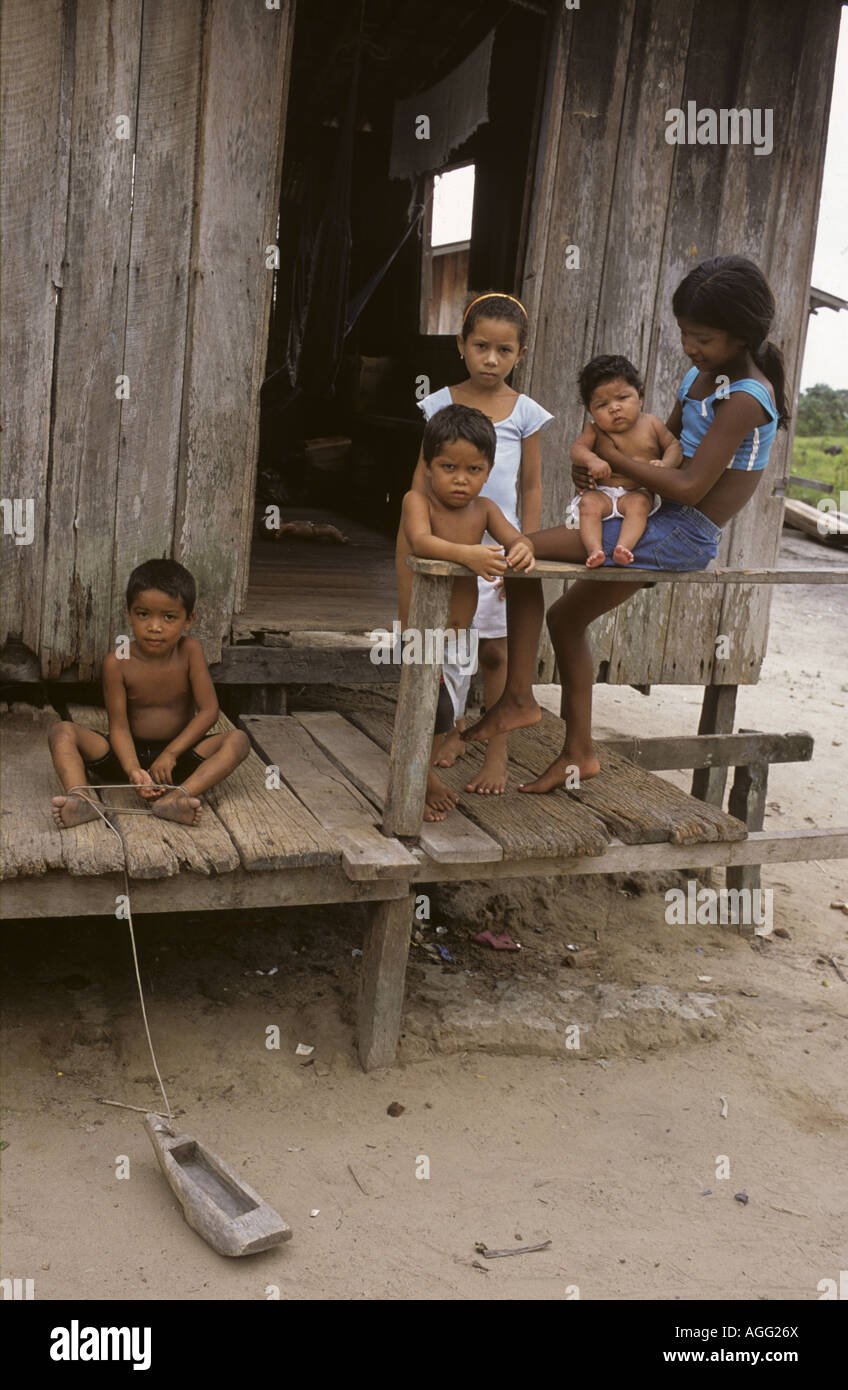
(416, 708)
(384, 955)
(717, 714)
(748, 802)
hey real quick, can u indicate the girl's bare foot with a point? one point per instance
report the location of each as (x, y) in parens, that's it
(491, 779)
(595, 559)
(621, 555)
(562, 771)
(509, 712)
(451, 749)
(439, 799)
(72, 810)
(175, 806)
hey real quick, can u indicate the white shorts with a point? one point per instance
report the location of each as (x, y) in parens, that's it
(614, 493)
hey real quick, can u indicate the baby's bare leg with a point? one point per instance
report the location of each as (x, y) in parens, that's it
(71, 746)
(221, 754)
(634, 508)
(594, 506)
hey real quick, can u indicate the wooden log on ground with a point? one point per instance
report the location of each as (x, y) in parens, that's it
(825, 524)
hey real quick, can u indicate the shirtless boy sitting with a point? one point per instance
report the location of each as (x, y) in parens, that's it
(160, 701)
(611, 390)
(447, 522)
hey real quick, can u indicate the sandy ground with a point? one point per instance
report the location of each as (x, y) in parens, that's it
(616, 1151)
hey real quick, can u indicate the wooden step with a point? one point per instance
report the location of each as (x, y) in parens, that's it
(455, 840)
(333, 800)
(527, 827)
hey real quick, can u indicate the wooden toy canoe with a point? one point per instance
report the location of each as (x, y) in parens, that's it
(216, 1203)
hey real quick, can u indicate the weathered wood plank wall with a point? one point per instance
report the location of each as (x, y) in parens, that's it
(643, 213)
(141, 258)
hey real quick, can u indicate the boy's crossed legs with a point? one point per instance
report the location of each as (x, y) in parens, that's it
(73, 745)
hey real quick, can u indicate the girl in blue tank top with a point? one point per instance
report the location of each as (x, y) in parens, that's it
(730, 404)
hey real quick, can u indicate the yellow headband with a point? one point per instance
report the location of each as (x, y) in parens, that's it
(493, 294)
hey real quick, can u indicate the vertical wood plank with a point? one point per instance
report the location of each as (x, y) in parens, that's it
(384, 958)
(90, 340)
(415, 718)
(33, 174)
(769, 211)
(246, 53)
(157, 300)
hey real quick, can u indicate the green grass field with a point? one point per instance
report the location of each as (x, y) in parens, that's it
(809, 461)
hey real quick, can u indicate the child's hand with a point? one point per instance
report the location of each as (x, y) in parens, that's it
(521, 555)
(143, 783)
(599, 470)
(486, 560)
(163, 767)
(660, 463)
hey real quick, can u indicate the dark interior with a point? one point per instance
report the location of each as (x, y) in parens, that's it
(342, 217)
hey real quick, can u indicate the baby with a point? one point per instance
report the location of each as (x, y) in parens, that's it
(611, 390)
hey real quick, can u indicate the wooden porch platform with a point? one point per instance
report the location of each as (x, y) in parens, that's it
(300, 822)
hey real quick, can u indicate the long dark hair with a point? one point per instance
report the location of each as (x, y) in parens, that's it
(731, 293)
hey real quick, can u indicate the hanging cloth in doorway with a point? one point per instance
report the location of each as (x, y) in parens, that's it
(454, 108)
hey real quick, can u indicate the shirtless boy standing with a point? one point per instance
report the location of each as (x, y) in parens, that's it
(447, 521)
(611, 390)
(160, 701)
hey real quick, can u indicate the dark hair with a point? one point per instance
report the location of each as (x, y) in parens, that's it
(731, 293)
(602, 369)
(459, 422)
(167, 576)
(494, 305)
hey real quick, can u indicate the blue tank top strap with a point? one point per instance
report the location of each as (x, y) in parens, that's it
(758, 391)
(687, 382)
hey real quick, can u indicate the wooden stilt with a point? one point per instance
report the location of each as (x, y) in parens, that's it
(384, 957)
(748, 802)
(415, 718)
(717, 715)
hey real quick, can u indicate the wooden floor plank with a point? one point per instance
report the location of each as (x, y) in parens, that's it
(30, 843)
(527, 827)
(455, 840)
(636, 806)
(156, 848)
(330, 797)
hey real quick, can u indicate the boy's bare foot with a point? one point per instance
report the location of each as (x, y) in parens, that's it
(72, 810)
(561, 771)
(174, 806)
(439, 799)
(595, 559)
(509, 712)
(451, 749)
(622, 556)
(491, 779)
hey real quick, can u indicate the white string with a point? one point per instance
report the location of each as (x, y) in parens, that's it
(80, 792)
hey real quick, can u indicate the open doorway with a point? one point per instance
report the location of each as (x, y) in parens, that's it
(373, 274)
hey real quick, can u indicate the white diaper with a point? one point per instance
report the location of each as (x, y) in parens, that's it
(614, 493)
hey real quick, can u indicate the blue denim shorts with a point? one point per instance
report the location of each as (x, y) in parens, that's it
(675, 538)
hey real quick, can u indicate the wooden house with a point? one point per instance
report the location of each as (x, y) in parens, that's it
(167, 162)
